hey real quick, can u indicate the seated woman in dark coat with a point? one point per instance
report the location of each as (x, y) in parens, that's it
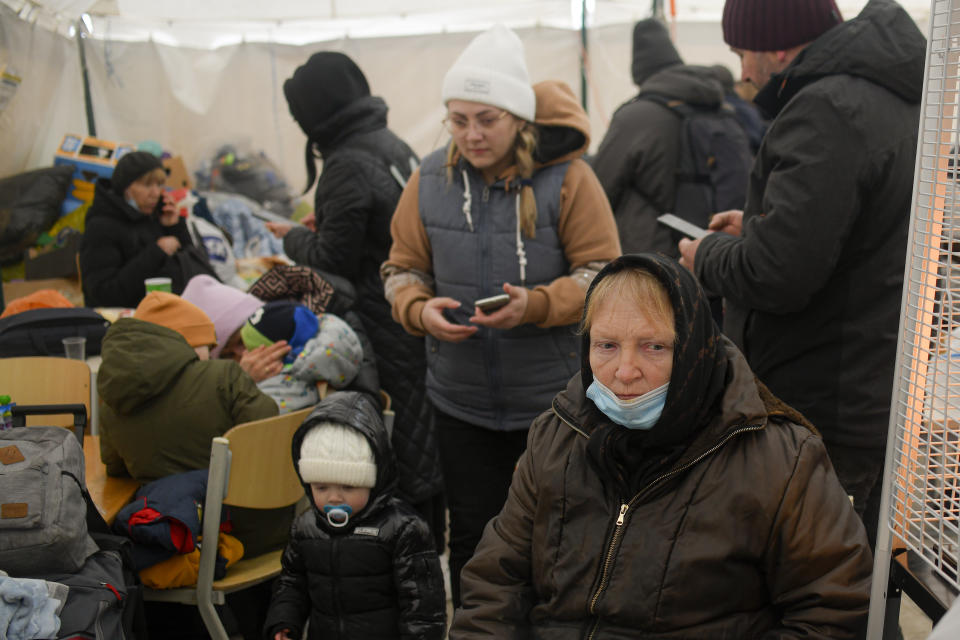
(133, 233)
(667, 493)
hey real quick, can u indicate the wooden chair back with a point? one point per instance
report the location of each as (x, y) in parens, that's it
(250, 466)
(44, 380)
(262, 475)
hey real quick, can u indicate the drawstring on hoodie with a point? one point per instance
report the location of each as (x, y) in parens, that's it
(467, 199)
(468, 205)
(521, 252)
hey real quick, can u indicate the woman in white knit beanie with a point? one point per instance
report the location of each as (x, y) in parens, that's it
(508, 208)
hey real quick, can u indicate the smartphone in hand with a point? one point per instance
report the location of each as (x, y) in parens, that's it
(679, 224)
(491, 304)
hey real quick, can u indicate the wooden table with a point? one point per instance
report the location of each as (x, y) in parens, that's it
(109, 493)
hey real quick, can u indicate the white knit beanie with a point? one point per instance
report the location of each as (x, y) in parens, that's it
(492, 70)
(337, 454)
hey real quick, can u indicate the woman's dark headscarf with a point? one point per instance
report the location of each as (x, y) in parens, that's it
(131, 167)
(319, 89)
(697, 379)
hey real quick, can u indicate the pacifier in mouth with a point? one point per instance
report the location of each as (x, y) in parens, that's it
(338, 515)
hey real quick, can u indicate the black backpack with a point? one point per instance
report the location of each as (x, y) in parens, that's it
(714, 161)
(105, 600)
(38, 332)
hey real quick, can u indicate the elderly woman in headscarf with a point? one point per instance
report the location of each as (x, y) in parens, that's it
(667, 493)
(133, 232)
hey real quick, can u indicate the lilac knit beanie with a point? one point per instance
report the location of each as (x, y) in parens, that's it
(227, 306)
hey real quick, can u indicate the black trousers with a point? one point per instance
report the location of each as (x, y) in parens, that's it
(478, 464)
(861, 475)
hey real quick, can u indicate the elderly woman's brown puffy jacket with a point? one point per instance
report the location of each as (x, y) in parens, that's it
(747, 535)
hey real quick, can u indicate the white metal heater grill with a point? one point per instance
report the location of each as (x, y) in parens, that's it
(924, 498)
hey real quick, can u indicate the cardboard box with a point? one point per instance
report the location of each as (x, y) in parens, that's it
(177, 175)
(92, 158)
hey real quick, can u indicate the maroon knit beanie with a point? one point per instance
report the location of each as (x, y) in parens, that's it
(776, 25)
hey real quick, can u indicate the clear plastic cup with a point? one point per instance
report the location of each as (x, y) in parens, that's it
(75, 347)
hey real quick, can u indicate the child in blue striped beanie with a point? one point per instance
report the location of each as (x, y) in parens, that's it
(322, 349)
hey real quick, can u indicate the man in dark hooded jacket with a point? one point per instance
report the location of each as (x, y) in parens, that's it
(637, 160)
(365, 166)
(812, 269)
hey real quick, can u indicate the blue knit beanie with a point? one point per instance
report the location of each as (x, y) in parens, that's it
(280, 320)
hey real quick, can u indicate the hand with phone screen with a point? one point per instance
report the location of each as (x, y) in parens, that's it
(507, 316)
(491, 304)
(167, 209)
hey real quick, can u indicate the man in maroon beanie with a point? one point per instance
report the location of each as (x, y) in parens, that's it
(811, 271)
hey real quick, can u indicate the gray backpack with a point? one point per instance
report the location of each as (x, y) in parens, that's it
(43, 525)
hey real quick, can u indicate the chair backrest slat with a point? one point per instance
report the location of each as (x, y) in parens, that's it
(44, 380)
(262, 475)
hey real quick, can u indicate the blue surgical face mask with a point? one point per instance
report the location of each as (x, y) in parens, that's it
(338, 515)
(133, 203)
(641, 412)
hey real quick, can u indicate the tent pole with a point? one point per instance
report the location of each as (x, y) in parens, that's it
(88, 103)
(583, 55)
(656, 9)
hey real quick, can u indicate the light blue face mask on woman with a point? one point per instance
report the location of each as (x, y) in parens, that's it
(641, 412)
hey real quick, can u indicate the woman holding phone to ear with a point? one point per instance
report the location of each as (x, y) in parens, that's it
(133, 232)
(508, 207)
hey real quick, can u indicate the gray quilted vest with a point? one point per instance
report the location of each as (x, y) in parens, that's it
(498, 379)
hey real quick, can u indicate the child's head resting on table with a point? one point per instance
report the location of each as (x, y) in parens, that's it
(321, 348)
(338, 464)
(280, 320)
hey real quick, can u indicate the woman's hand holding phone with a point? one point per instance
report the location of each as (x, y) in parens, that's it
(507, 316)
(168, 210)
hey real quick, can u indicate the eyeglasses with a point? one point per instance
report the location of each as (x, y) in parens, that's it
(457, 124)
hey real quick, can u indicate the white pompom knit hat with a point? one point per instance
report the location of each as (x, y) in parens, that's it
(492, 70)
(337, 454)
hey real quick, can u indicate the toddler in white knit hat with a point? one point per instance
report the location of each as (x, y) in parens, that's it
(360, 561)
(338, 464)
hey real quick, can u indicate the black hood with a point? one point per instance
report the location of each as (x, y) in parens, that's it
(699, 360)
(882, 45)
(357, 411)
(326, 84)
(693, 84)
(653, 51)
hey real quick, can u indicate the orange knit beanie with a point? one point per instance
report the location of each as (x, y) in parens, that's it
(173, 312)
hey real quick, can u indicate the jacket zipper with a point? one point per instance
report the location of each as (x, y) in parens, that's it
(624, 507)
(483, 224)
(335, 586)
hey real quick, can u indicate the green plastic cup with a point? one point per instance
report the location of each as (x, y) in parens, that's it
(158, 284)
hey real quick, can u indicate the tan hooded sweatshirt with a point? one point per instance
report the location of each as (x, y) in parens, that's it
(586, 228)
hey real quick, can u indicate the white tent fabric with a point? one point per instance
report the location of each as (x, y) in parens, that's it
(147, 85)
